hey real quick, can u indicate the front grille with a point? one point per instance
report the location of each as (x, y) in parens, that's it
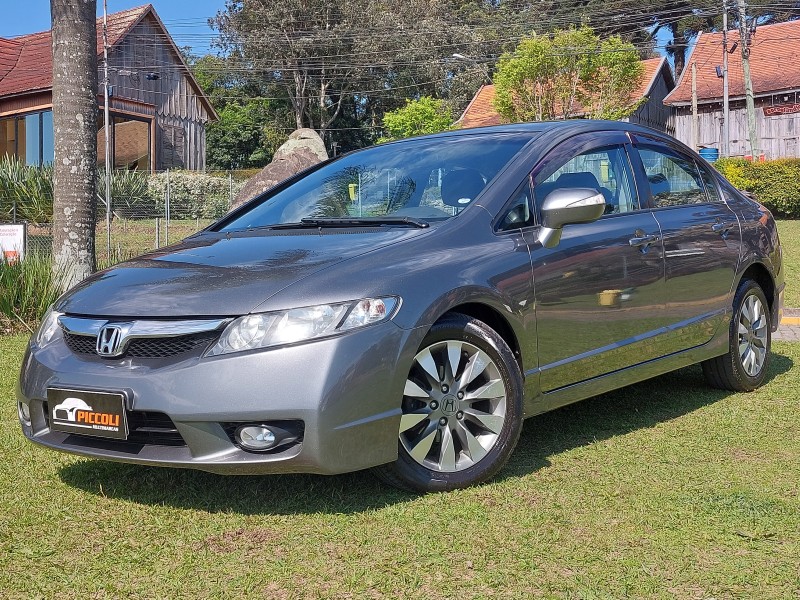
(144, 428)
(163, 347)
(147, 427)
(80, 344)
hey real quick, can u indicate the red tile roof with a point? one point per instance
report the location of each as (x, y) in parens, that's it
(9, 54)
(773, 64)
(481, 111)
(33, 62)
(652, 67)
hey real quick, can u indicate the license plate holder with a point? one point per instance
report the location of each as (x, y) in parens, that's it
(85, 412)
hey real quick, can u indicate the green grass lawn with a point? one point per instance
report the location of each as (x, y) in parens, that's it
(667, 489)
(790, 240)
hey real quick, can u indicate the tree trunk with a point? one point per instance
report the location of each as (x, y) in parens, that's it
(75, 138)
(678, 47)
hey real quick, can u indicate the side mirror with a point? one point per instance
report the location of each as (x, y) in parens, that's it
(566, 207)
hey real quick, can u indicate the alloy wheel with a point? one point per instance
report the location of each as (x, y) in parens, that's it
(454, 406)
(752, 335)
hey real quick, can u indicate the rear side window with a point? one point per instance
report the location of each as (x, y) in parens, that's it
(674, 179)
(711, 184)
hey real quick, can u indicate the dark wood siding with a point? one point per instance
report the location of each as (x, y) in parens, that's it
(180, 116)
(653, 113)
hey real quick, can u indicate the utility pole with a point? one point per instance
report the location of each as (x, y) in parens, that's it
(726, 109)
(744, 41)
(695, 117)
(106, 126)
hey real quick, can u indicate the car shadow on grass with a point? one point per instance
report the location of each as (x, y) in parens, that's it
(616, 413)
(621, 411)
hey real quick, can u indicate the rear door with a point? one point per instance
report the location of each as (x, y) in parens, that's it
(701, 240)
(600, 291)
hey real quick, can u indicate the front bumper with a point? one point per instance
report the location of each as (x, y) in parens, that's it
(346, 390)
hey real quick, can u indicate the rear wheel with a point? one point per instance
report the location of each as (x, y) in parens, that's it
(745, 365)
(462, 409)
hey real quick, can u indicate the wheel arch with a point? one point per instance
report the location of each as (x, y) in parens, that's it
(494, 319)
(759, 273)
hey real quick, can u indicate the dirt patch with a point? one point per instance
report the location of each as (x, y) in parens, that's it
(260, 541)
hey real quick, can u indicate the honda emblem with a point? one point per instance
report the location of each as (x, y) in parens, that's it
(109, 341)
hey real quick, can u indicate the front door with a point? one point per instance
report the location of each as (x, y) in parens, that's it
(600, 291)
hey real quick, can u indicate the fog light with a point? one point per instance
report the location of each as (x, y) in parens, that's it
(24, 413)
(255, 437)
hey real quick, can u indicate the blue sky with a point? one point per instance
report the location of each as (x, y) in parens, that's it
(185, 20)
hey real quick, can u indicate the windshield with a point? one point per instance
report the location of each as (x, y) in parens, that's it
(429, 179)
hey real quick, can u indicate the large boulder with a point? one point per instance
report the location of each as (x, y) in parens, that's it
(303, 149)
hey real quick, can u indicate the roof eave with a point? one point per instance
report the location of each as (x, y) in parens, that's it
(716, 99)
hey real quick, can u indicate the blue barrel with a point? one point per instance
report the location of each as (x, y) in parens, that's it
(710, 154)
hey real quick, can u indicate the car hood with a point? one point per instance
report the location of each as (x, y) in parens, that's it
(217, 274)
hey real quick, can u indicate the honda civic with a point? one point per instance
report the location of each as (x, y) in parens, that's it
(405, 307)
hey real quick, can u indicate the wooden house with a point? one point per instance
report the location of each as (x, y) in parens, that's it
(158, 111)
(775, 73)
(656, 83)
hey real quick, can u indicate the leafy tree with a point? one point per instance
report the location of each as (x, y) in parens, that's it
(544, 77)
(417, 117)
(341, 66)
(570, 71)
(250, 127)
(616, 74)
(242, 137)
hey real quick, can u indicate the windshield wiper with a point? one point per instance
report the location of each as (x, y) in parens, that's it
(353, 222)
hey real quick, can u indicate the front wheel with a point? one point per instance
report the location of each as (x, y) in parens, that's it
(462, 409)
(744, 367)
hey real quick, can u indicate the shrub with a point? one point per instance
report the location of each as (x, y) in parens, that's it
(130, 194)
(193, 195)
(27, 288)
(29, 189)
(134, 194)
(776, 183)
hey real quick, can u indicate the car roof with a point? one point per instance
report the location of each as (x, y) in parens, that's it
(568, 127)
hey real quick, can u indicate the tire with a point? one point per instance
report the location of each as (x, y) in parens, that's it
(457, 429)
(745, 365)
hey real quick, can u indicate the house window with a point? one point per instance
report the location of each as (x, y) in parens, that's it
(28, 137)
(130, 142)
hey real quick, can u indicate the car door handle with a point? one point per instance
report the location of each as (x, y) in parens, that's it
(722, 228)
(643, 241)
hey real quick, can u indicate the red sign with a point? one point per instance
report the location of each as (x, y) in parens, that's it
(781, 109)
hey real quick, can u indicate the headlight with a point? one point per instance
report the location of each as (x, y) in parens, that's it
(264, 330)
(47, 330)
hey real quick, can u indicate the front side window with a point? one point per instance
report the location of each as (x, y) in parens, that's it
(606, 170)
(674, 179)
(518, 212)
(431, 179)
